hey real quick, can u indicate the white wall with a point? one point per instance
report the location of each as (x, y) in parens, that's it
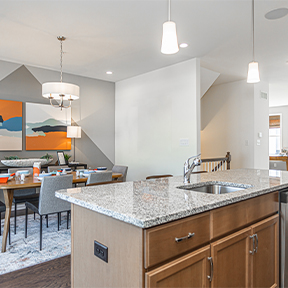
(153, 112)
(226, 113)
(261, 124)
(232, 114)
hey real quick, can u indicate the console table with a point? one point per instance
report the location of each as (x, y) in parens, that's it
(280, 158)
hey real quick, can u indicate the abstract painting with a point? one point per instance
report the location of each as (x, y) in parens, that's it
(46, 127)
(10, 125)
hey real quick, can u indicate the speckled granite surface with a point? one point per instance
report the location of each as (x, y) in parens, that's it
(153, 202)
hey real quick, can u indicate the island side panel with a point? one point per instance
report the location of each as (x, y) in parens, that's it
(125, 251)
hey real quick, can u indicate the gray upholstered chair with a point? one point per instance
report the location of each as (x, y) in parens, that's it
(99, 177)
(48, 203)
(23, 195)
(121, 169)
(55, 168)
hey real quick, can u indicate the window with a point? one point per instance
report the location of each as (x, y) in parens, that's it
(275, 134)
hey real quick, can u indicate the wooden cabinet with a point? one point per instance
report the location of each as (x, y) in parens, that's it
(248, 258)
(160, 244)
(233, 246)
(265, 258)
(231, 260)
(188, 271)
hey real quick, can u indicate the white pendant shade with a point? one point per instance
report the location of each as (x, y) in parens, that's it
(55, 89)
(73, 132)
(169, 38)
(253, 73)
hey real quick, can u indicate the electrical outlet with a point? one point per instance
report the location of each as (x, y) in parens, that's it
(101, 251)
(184, 142)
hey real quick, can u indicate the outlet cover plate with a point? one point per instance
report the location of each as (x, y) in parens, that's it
(101, 251)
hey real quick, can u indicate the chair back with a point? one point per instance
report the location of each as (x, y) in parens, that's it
(14, 170)
(99, 177)
(22, 192)
(48, 203)
(158, 176)
(121, 169)
(104, 183)
(55, 168)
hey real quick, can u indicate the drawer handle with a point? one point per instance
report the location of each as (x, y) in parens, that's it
(210, 277)
(190, 235)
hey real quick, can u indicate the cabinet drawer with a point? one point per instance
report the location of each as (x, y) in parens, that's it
(235, 216)
(160, 242)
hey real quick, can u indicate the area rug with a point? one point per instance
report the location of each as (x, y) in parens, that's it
(24, 252)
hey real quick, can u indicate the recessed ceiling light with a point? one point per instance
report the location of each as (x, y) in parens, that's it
(183, 45)
(109, 72)
(276, 13)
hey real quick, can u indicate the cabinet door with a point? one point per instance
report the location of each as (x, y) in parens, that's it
(188, 271)
(265, 259)
(232, 261)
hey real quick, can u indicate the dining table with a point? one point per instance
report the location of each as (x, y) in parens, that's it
(29, 182)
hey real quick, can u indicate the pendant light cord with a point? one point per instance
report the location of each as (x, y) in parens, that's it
(61, 53)
(253, 29)
(169, 10)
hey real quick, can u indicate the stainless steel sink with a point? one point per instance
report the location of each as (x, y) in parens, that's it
(214, 188)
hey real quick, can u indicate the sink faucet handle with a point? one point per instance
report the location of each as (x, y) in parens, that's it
(193, 157)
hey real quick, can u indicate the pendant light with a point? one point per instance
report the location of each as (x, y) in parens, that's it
(60, 91)
(169, 37)
(253, 69)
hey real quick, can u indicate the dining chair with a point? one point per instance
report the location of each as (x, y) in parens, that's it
(48, 203)
(158, 176)
(23, 195)
(120, 169)
(97, 177)
(104, 183)
(3, 209)
(55, 168)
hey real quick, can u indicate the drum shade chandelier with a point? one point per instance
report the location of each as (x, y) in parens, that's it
(253, 69)
(169, 37)
(60, 91)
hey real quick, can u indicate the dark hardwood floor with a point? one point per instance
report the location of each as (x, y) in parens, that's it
(54, 273)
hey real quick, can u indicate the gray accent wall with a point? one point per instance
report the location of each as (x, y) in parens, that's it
(94, 111)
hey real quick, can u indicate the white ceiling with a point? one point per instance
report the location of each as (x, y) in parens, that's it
(124, 36)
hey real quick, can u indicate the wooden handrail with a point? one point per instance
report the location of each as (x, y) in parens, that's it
(221, 161)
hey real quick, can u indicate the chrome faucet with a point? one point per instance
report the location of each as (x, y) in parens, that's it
(189, 168)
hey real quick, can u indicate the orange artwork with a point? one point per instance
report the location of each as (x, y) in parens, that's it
(46, 127)
(10, 125)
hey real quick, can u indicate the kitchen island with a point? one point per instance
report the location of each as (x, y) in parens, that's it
(157, 235)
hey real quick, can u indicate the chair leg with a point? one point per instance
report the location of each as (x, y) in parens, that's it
(9, 234)
(15, 215)
(60, 218)
(46, 221)
(40, 232)
(58, 215)
(34, 215)
(26, 221)
(68, 219)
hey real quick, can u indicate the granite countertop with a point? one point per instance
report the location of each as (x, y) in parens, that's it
(152, 202)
